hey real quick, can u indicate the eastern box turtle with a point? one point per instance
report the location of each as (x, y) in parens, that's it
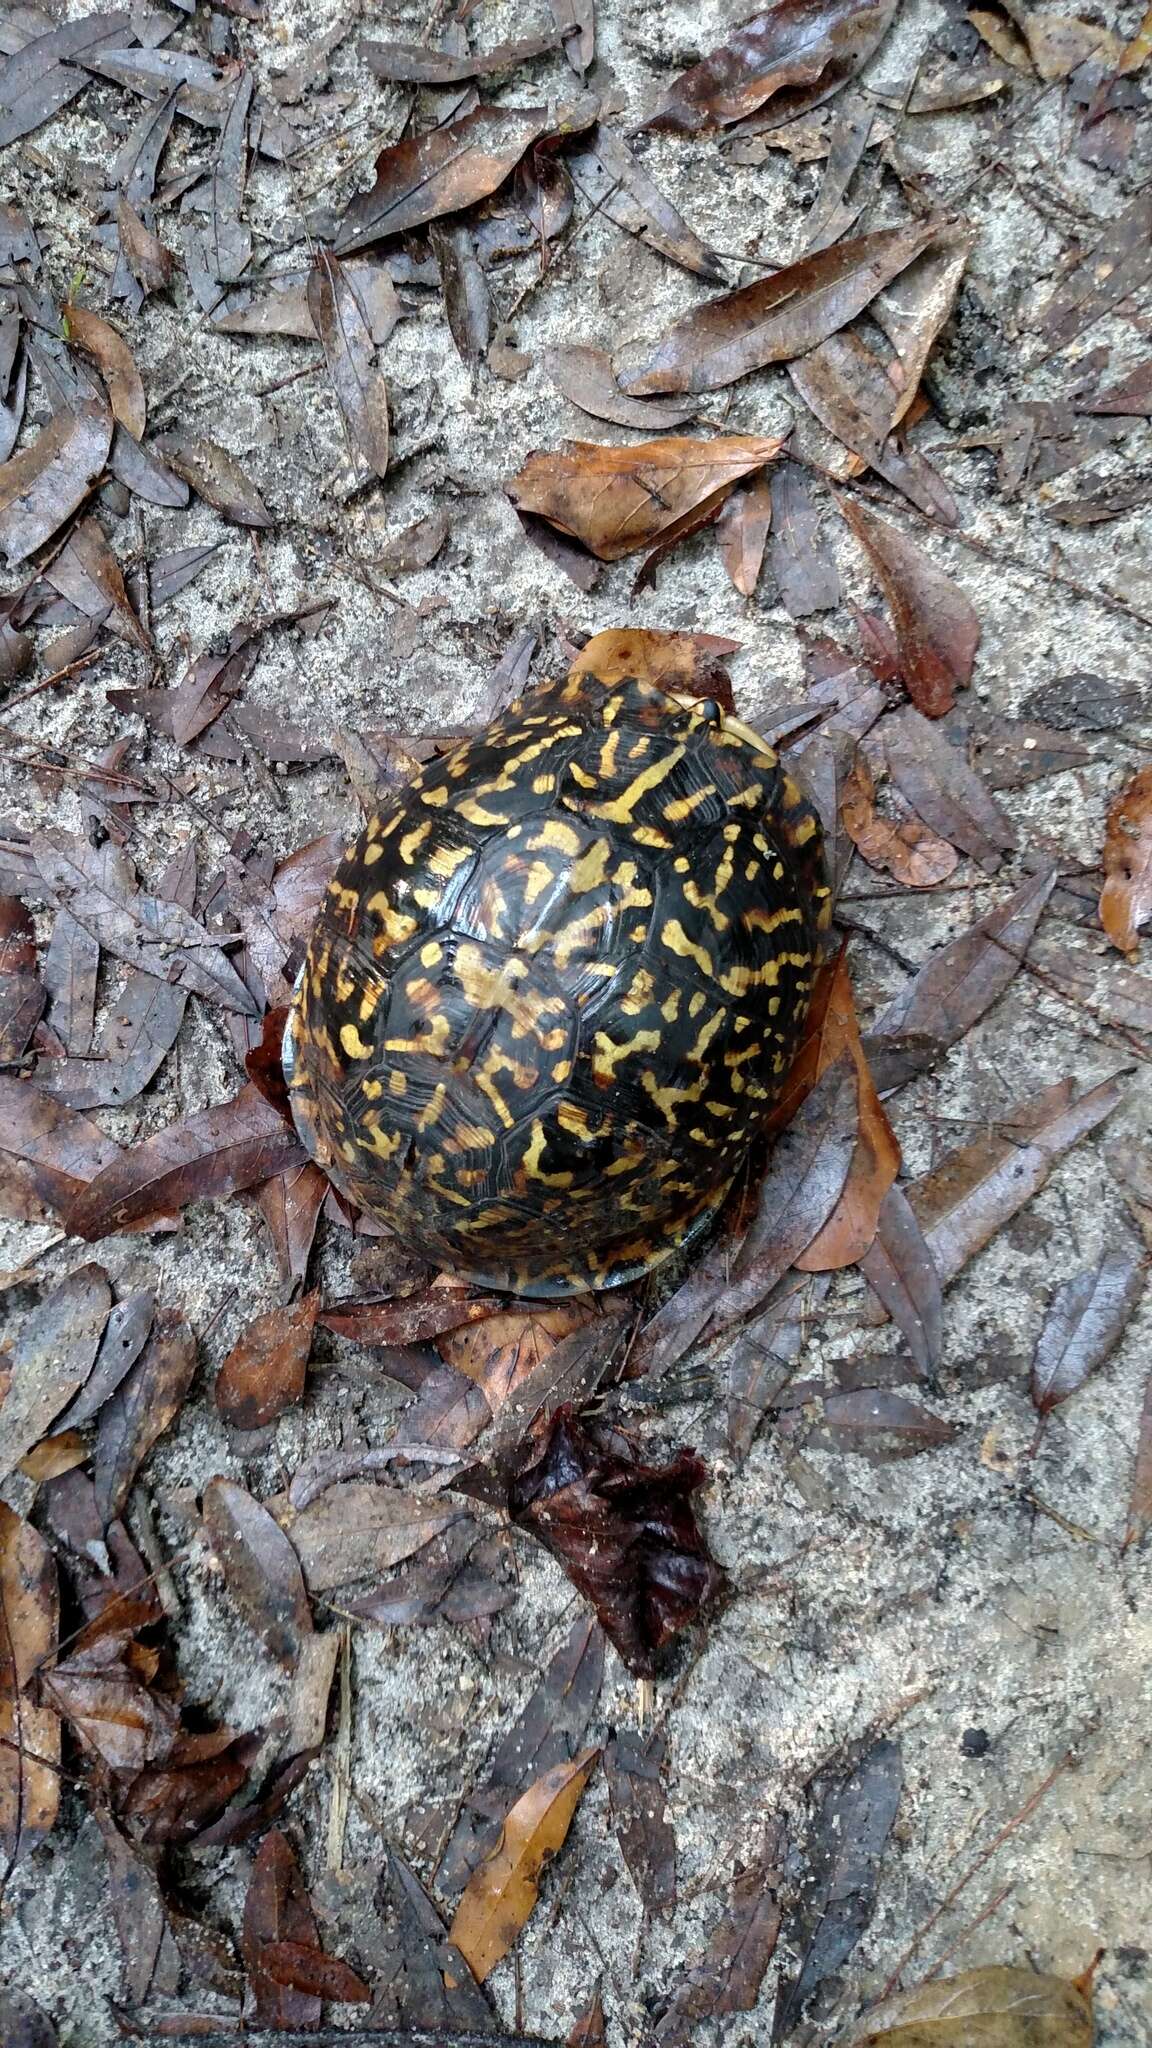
(556, 984)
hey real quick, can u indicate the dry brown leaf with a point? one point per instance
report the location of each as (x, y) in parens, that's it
(265, 1370)
(54, 1353)
(502, 1892)
(260, 1567)
(742, 532)
(1140, 1497)
(786, 59)
(997, 2007)
(1126, 898)
(141, 1409)
(42, 486)
(672, 661)
(29, 1734)
(615, 500)
(499, 1354)
(937, 629)
(345, 336)
(904, 847)
(115, 362)
(849, 1230)
(150, 263)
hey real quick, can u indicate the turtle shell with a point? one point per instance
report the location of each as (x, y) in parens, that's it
(555, 986)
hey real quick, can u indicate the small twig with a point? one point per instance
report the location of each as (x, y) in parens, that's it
(58, 676)
(1066, 1763)
(964, 1933)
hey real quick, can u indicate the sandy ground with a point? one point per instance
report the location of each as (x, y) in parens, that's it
(929, 1596)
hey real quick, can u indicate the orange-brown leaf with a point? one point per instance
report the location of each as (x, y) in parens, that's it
(685, 662)
(1126, 898)
(503, 1890)
(29, 1734)
(264, 1372)
(937, 630)
(615, 500)
(906, 848)
(851, 1227)
(501, 1352)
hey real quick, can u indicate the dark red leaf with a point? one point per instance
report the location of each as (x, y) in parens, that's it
(786, 59)
(212, 1155)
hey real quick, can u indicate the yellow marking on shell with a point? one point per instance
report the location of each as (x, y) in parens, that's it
(626, 1161)
(720, 1108)
(747, 799)
(639, 932)
(581, 776)
(494, 988)
(562, 1070)
(668, 1099)
(757, 920)
(395, 926)
(559, 837)
(706, 1034)
(608, 1055)
(433, 1109)
(436, 798)
(670, 1007)
(533, 1154)
(468, 1136)
(344, 985)
(611, 708)
(539, 878)
(618, 810)
(397, 1082)
(543, 785)
(682, 865)
(778, 871)
(383, 1144)
(580, 932)
(487, 1086)
(372, 1090)
(573, 1118)
(341, 898)
(444, 861)
(369, 1004)
(647, 835)
(742, 1054)
(476, 813)
(353, 1044)
(412, 841)
(591, 870)
(699, 901)
(608, 756)
(434, 1040)
(373, 851)
(431, 954)
(640, 993)
(426, 898)
(682, 807)
(675, 938)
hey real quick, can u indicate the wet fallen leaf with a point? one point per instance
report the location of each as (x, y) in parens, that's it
(850, 1227)
(125, 1335)
(585, 377)
(467, 300)
(43, 485)
(999, 2006)
(261, 1569)
(98, 886)
(349, 352)
(145, 1404)
(22, 993)
(742, 532)
(217, 477)
(876, 1423)
(412, 1320)
(41, 77)
(301, 1967)
(1118, 265)
(615, 500)
(937, 628)
(1126, 898)
(901, 1271)
(502, 1892)
(764, 1358)
(957, 984)
(847, 387)
(277, 1909)
(633, 1767)
(501, 1352)
(356, 1530)
(1085, 702)
(442, 171)
(1086, 1319)
(798, 552)
(213, 1154)
(151, 1957)
(151, 264)
(904, 847)
(851, 1821)
(265, 1371)
(612, 179)
(117, 365)
(944, 790)
(1059, 44)
(29, 1733)
(48, 1154)
(549, 1730)
(87, 573)
(55, 1350)
(587, 2029)
(776, 318)
(728, 1976)
(142, 1027)
(421, 1979)
(290, 1204)
(794, 55)
(624, 1532)
(281, 305)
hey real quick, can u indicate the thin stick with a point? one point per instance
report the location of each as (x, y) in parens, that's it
(962, 1937)
(58, 676)
(1026, 1811)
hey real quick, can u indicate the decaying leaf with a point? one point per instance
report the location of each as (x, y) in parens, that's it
(901, 1271)
(633, 1766)
(415, 64)
(850, 1226)
(265, 1370)
(997, 2007)
(1126, 898)
(944, 790)
(349, 352)
(55, 1351)
(904, 847)
(502, 1892)
(277, 1909)
(1085, 1321)
(1119, 264)
(937, 629)
(611, 177)
(217, 477)
(687, 663)
(116, 364)
(500, 1353)
(728, 1976)
(785, 60)
(214, 1153)
(586, 377)
(145, 1404)
(742, 532)
(260, 1567)
(1140, 1497)
(356, 1530)
(624, 1532)
(43, 485)
(798, 552)
(776, 318)
(29, 1732)
(440, 172)
(48, 1154)
(151, 264)
(615, 500)
(125, 1335)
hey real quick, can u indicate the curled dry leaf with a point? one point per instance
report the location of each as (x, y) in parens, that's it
(615, 500)
(440, 172)
(55, 1350)
(265, 1371)
(349, 352)
(502, 1892)
(115, 362)
(625, 1533)
(776, 318)
(904, 847)
(677, 662)
(1086, 1320)
(29, 1734)
(1126, 898)
(261, 1569)
(937, 629)
(1000, 2007)
(795, 54)
(585, 376)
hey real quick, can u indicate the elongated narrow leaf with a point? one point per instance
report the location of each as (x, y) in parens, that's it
(1086, 1320)
(42, 486)
(260, 1567)
(786, 59)
(55, 1351)
(774, 319)
(144, 1406)
(213, 1154)
(937, 627)
(349, 353)
(443, 171)
(29, 1732)
(503, 1891)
